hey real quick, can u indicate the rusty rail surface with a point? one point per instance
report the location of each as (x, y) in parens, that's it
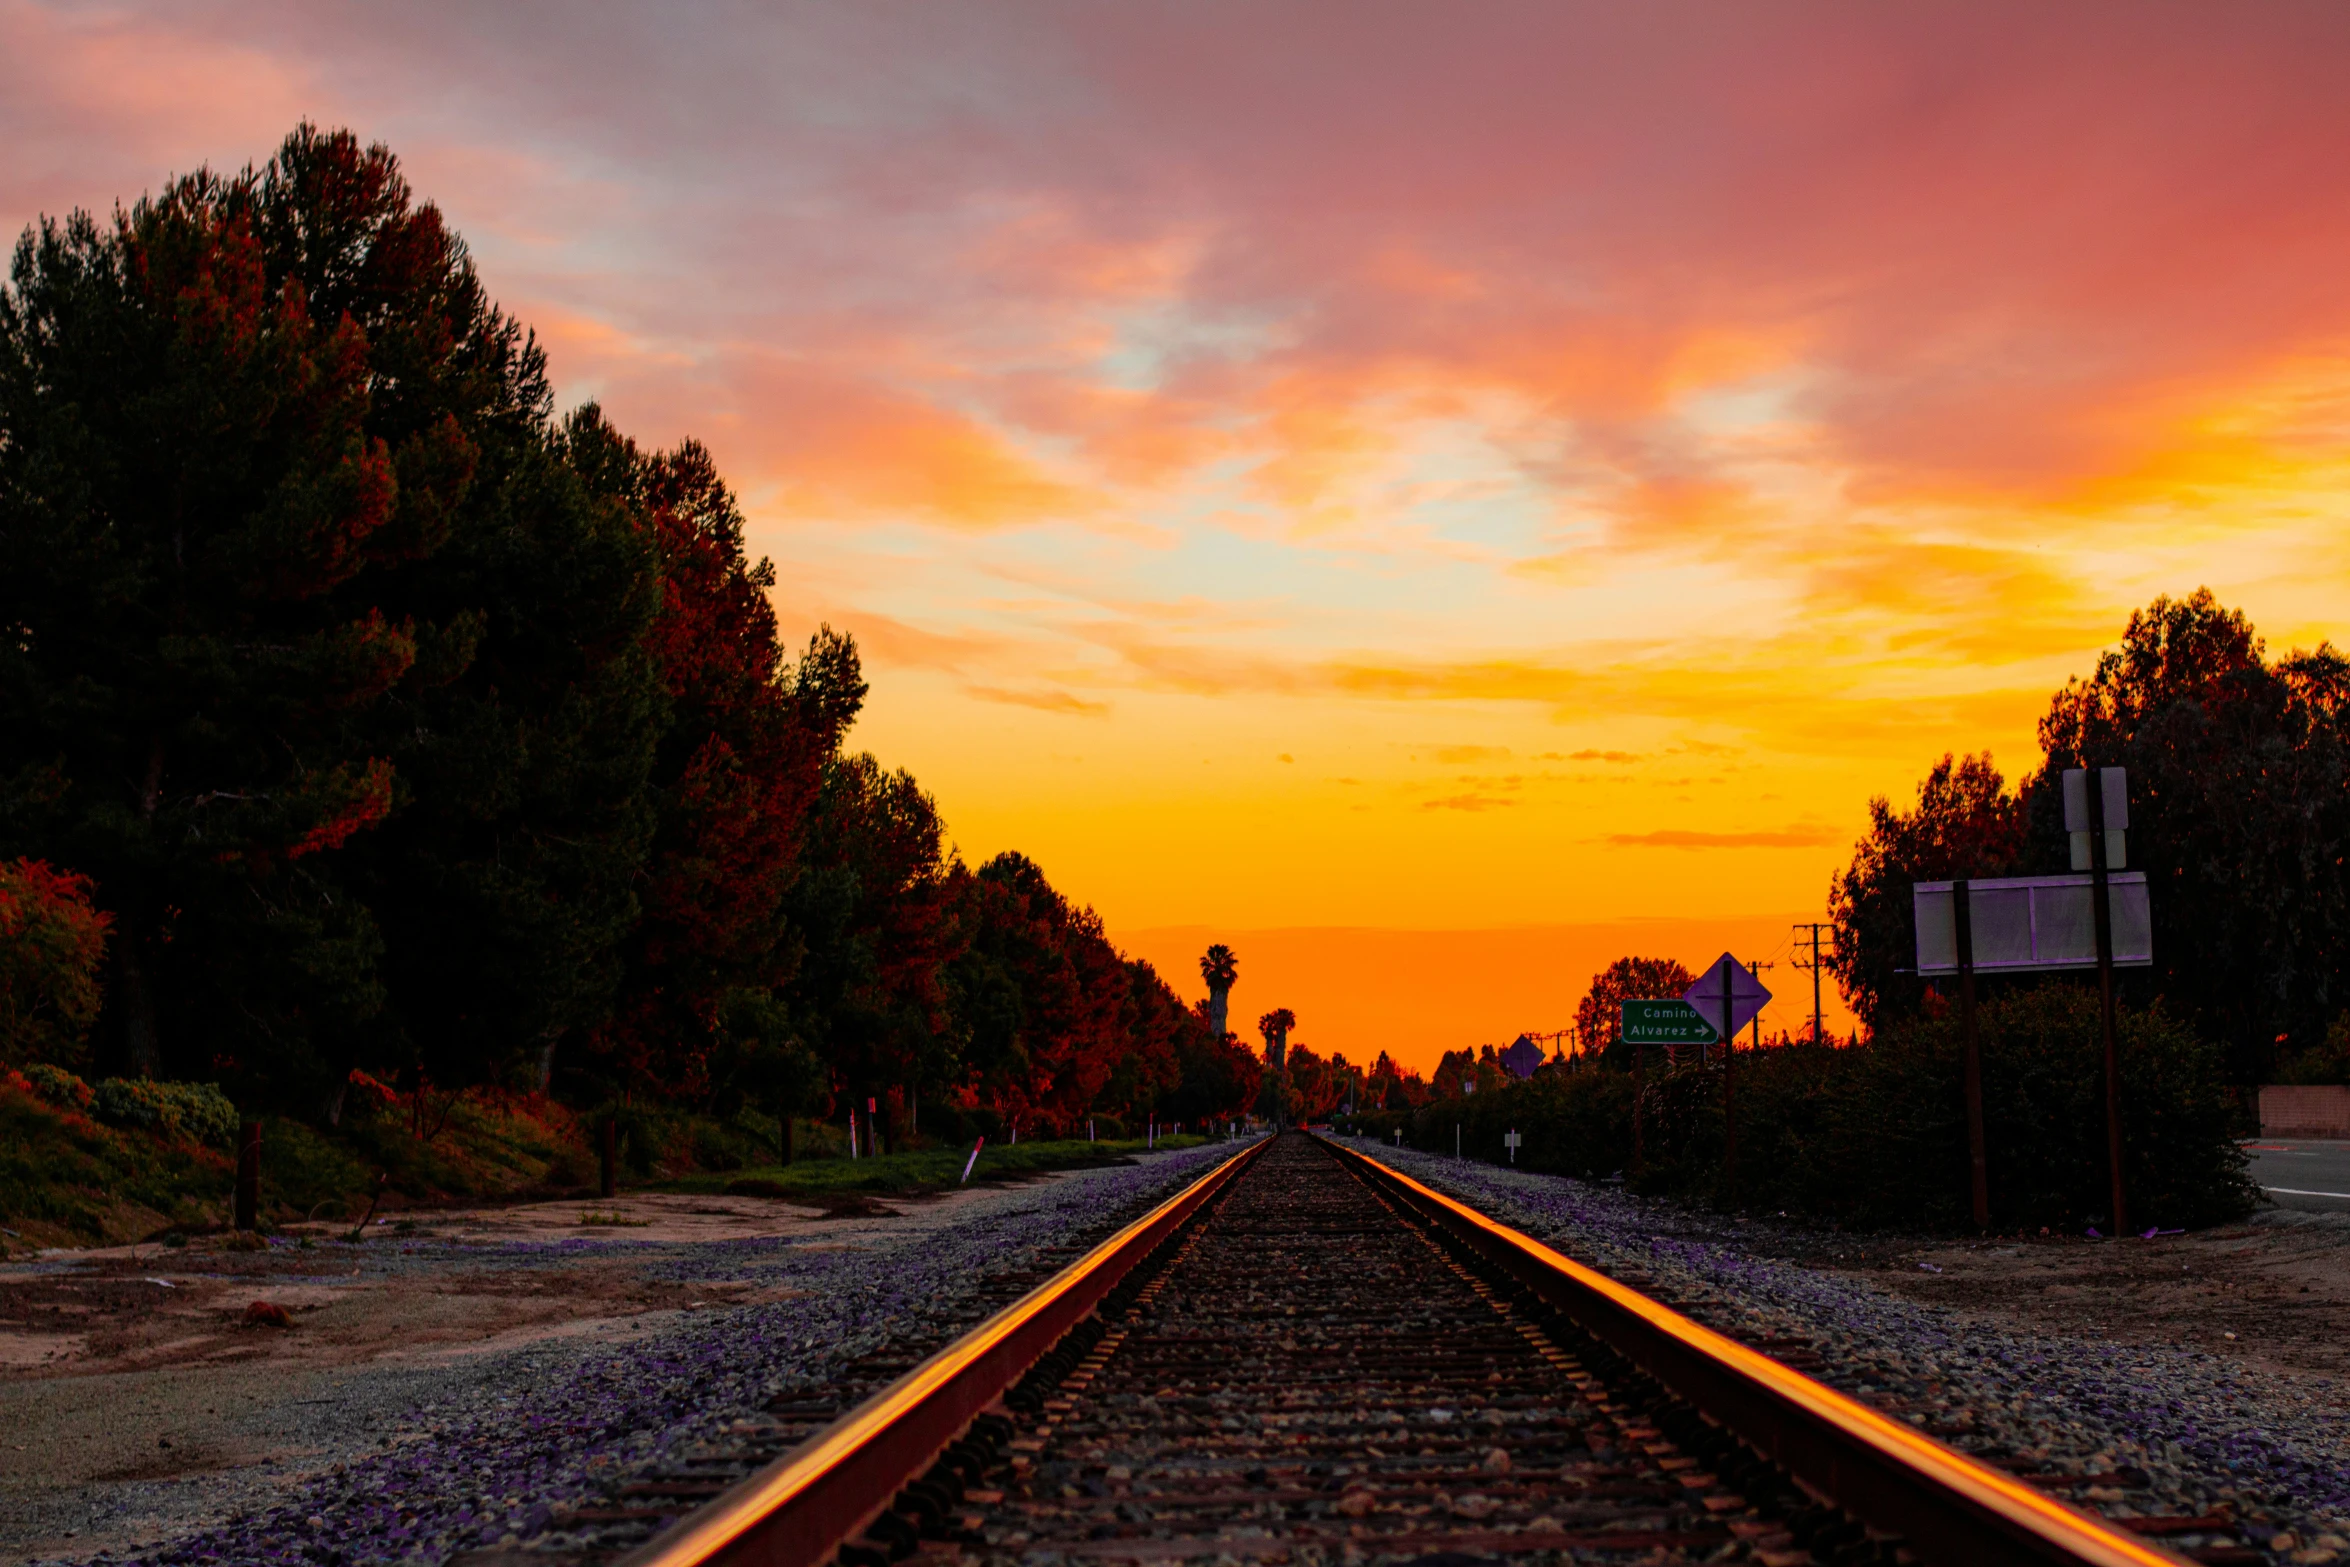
(1948, 1506)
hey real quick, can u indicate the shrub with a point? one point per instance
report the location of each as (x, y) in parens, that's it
(52, 940)
(2326, 1061)
(947, 1125)
(199, 1112)
(58, 1086)
(1876, 1135)
(715, 1149)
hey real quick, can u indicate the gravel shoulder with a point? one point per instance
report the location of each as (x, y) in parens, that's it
(446, 1382)
(2106, 1369)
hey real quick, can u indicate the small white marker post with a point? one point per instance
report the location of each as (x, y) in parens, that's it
(1511, 1142)
(971, 1163)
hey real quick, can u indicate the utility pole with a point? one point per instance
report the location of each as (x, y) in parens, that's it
(1758, 968)
(1811, 933)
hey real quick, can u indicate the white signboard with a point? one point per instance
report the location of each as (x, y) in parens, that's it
(2113, 789)
(2023, 923)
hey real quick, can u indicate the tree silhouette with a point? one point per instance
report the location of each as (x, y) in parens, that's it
(1965, 824)
(1275, 1026)
(2239, 770)
(1220, 967)
(1599, 1017)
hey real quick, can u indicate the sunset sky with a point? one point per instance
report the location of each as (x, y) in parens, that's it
(1437, 496)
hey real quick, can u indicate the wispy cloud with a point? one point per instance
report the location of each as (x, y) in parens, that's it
(1043, 700)
(1467, 802)
(1800, 837)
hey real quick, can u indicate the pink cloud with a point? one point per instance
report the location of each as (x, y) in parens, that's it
(1061, 261)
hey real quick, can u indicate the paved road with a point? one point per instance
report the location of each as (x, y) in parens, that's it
(2298, 1174)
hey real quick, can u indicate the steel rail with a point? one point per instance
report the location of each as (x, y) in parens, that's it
(802, 1507)
(1947, 1506)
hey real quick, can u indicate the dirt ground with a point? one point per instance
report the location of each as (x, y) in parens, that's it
(2272, 1292)
(139, 1363)
(143, 1308)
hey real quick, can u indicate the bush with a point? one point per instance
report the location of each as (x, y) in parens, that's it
(64, 1177)
(1572, 1123)
(199, 1112)
(1876, 1135)
(58, 1086)
(52, 940)
(2327, 1061)
(944, 1124)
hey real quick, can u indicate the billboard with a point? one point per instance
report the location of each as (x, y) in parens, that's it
(2023, 924)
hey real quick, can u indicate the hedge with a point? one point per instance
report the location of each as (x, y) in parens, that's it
(1876, 1134)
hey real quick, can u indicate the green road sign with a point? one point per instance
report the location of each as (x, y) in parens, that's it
(1665, 1023)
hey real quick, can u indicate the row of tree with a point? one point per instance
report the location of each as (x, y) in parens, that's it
(2239, 776)
(2239, 781)
(378, 720)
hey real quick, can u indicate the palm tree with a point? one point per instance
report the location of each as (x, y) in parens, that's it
(1220, 967)
(1275, 1026)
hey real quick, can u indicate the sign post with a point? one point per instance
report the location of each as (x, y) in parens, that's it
(1639, 1093)
(2108, 802)
(1962, 919)
(2036, 924)
(1657, 1022)
(1729, 996)
(1512, 1143)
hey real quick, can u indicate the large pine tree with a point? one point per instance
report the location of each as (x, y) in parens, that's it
(320, 659)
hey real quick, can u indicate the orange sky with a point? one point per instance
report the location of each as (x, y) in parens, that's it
(1358, 990)
(1383, 468)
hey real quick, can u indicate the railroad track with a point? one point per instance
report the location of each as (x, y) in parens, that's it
(1306, 1357)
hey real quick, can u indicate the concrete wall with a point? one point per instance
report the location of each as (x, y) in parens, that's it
(2317, 1110)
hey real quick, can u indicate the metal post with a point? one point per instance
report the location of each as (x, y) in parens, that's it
(1729, 1110)
(248, 1205)
(1962, 917)
(1639, 1088)
(609, 1183)
(2102, 900)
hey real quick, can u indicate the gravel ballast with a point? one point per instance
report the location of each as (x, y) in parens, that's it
(440, 1462)
(2207, 1436)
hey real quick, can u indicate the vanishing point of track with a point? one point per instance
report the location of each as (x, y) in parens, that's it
(1305, 1357)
